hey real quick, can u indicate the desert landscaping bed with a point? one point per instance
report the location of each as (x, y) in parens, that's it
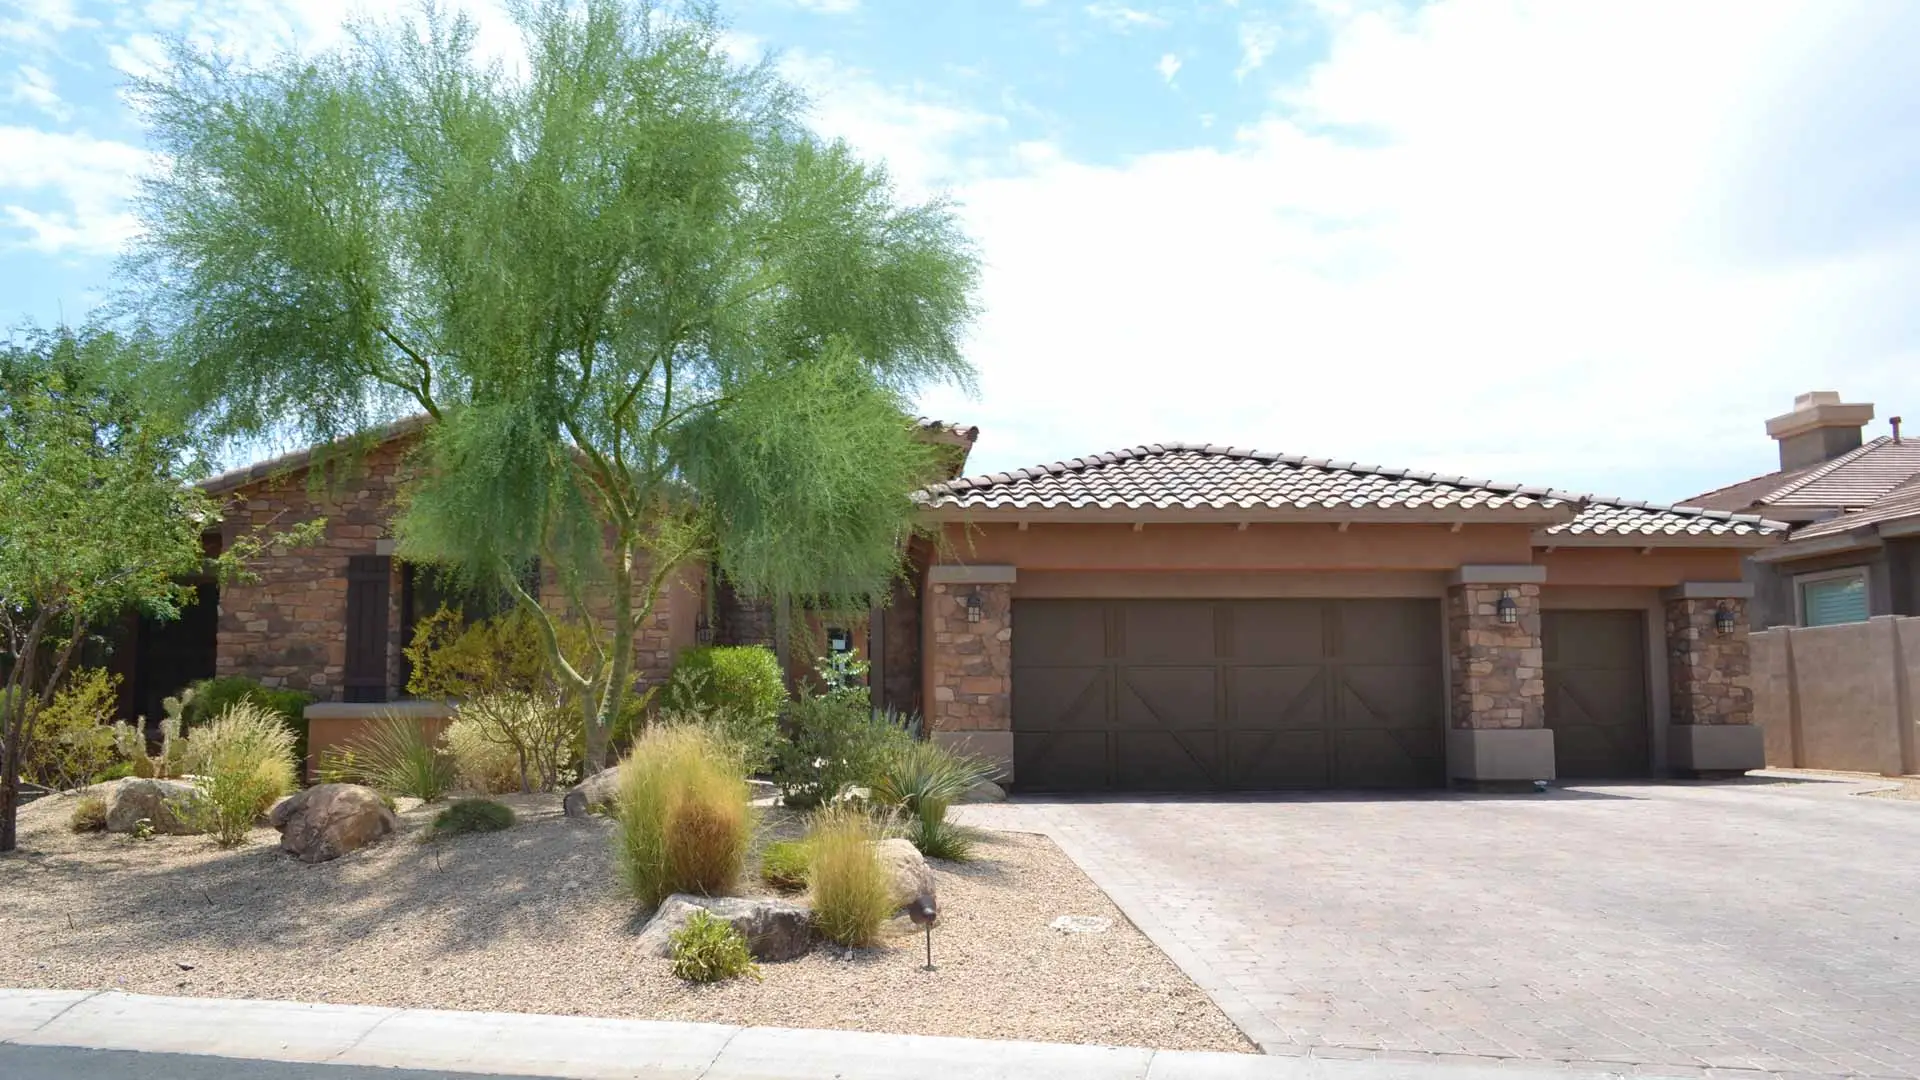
(532, 920)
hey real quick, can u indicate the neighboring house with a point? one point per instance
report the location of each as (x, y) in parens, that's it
(1854, 505)
(1202, 617)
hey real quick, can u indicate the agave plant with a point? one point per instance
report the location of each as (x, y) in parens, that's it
(921, 780)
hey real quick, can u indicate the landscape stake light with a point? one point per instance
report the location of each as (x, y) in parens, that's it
(1507, 609)
(974, 605)
(1723, 619)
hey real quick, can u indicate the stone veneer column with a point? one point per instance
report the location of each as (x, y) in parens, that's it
(1709, 680)
(1497, 680)
(970, 664)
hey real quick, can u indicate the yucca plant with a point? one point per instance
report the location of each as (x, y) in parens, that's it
(921, 780)
(397, 756)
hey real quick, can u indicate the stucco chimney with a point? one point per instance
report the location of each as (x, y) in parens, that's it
(1820, 428)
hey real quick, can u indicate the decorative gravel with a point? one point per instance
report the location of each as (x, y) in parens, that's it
(532, 920)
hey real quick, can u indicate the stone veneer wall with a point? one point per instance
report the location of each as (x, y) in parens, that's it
(1709, 673)
(288, 628)
(1497, 673)
(971, 663)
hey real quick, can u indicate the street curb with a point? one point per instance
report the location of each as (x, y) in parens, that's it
(587, 1048)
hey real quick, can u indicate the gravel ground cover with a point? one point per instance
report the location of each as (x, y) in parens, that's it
(531, 920)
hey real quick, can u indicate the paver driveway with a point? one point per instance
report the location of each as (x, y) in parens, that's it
(1672, 927)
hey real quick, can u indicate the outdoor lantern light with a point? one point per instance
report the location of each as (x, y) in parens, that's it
(924, 915)
(1507, 609)
(1723, 619)
(973, 606)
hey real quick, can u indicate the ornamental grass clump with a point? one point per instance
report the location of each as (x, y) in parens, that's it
(89, 814)
(783, 865)
(851, 895)
(242, 763)
(396, 755)
(683, 815)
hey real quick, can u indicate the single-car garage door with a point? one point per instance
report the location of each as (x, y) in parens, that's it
(1596, 674)
(1173, 695)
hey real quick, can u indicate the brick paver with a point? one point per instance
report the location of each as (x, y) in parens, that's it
(1670, 928)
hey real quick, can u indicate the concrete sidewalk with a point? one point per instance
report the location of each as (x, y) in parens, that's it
(106, 1034)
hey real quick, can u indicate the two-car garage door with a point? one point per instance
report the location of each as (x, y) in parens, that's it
(1170, 695)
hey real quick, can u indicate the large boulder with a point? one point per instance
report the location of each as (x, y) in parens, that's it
(594, 793)
(986, 791)
(775, 930)
(910, 877)
(328, 820)
(169, 806)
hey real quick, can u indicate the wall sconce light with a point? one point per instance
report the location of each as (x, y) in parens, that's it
(974, 604)
(1724, 619)
(1507, 608)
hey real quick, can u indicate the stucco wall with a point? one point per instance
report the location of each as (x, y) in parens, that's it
(1839, 697)
(1227, 547)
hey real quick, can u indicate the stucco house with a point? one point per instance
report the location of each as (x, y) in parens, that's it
(1854, 506)
(1168, 617)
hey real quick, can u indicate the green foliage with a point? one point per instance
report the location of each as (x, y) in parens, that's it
(479, 763)
(538, 733)
(737, 689)
(852, 897)
(242, 761)
(89, 814)
(449, 658)
(119, 770)
(783, 865)
(657, 320)
(683, 815)
(208, 698)
(73, 738)
(471, 816)
(143, 829)
(921, 780)
(708, 950)
(834, 740)
(395, 755)
(130, 741)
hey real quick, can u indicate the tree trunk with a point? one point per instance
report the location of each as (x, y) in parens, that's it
(14, 727)
(620, 663)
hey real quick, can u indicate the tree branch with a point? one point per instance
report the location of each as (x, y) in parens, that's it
(549, 636)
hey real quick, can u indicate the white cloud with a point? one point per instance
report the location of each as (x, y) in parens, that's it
(39, 22)
(1168, 67)
(66, 194)
(1258, 39)
(35, 87)
(828, 7)
(1467, 241)
(1125, 19)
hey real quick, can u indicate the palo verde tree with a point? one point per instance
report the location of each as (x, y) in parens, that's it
(656, 322)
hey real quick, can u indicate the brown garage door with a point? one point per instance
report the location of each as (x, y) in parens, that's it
(1596, 672)
(1180, 695)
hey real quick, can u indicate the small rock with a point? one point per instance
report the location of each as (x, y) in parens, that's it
(183, 965)
(1081, 924)
(591, 794)
(775, 930)
(761, 789)
(168, 805)
(326, 821)
(911, 878)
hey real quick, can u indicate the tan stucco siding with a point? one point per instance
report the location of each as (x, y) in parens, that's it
(1631, 566)
(1227, 547)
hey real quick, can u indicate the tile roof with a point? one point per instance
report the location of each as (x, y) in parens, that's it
(1854, 479)
(1903, 502)
(1175, 476)
(1746, 494)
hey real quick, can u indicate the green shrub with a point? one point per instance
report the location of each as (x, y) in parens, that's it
(479, 763)
(451, 658)
(783, 865)
(89, 814)
(537, 733)
(921, 780)
(737, 689)
(395, 755)
(208, 698)
(119, 770)
(682, 814)
(471, 816)
(852, 897)
(833, 742)
(72, 736)
(242, 761)
(708, 950)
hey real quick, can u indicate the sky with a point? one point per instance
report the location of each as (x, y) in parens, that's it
(1586, 243)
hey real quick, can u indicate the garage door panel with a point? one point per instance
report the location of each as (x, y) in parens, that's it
(1167, 632)
(1277, 631)
(1166, 761)
(1056, 634)
(1070, 699)
(1063, 761)
(1174, 698)
(1596, 701)
(1278, 759)
(1279, 698)
(1386, 758)
(1241, 694)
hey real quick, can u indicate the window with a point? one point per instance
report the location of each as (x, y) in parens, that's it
(1833, 598)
